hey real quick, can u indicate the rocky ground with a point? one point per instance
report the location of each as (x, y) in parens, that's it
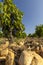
(28, 51)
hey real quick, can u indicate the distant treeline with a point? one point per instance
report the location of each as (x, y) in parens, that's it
(38, 32)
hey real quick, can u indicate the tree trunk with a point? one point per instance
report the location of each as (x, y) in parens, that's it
(10, 36)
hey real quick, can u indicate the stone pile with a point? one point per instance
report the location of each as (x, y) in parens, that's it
(30, 58)
(25, 52)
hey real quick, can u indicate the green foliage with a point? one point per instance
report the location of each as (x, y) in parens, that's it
(39, 31)
(19, 34)
(1, 7)
(29, 35)
(1, 34)
(11, 18)
(24, 35)
(34, 35)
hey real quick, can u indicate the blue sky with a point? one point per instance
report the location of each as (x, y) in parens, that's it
(33, 13)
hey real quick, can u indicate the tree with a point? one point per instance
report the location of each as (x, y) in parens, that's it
(30, 35)
(34, 35)
(24, 35)
(1, 34)
(10, 18)
(39, 31)
(19, 33)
